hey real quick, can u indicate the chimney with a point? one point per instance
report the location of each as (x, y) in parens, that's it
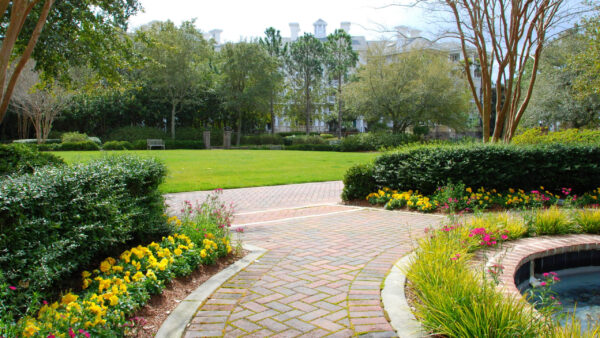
(345, 26)
(320, 29)
(215, 34)
(294, 30)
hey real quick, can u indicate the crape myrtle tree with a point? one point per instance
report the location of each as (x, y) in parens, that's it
(408, 89)
(276, 50)
(58, 33)
(339, 59)
(305, 68)
(506, 35)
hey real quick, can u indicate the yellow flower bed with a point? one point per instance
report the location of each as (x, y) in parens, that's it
(120, 286)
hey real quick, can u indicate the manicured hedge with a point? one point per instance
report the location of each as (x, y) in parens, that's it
(375, 141)
(358, 182)
(567, 136)
(501, 167)
(21, 159)
(314, 147)
(117, 145)
(58, 221)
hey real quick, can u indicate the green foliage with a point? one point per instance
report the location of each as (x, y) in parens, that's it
(117, 145)
(73, 137)
(358, 182)
(303, 139)
(587, 62)
(262, 139)
(82, 145)
(588, 220)
(425, 168)
(376, 141)
(567, 136)
(184, 144)
(21, 159)
(132, 134)
(552, 221)
(313, 147)
(408, 89)
(57, 221)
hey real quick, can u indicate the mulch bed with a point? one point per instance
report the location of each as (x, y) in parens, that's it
(151, 316)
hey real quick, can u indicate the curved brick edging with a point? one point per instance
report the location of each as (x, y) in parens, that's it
(516, 253)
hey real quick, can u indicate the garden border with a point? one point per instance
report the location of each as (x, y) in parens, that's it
(395, 304)
(180, 317)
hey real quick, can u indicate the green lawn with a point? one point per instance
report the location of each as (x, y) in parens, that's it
(191, 170)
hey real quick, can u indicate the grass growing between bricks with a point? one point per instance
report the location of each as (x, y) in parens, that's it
(193, 170)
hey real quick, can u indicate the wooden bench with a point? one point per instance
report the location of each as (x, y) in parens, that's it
(155, 143)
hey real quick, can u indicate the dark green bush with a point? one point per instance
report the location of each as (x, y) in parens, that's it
(303, 139)
(262, 139)
(83, 145)
(136, 133)
(358, 182)
(425, 168)
(58, 221)
(117, 145)
(22, 159)
(314, 147)
(375, 141)
(183, 144)
(188, 133)
(139, 144)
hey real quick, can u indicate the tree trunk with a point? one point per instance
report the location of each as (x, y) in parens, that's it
(272, 116)
(239, 128)
(340, 107)
(173, 108)
(307, 91)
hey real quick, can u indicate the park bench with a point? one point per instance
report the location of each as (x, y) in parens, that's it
(155, 143)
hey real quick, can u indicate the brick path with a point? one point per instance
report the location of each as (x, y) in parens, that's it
(321, 275)
(267, 198)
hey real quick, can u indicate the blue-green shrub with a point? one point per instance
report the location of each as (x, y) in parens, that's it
(60, 220)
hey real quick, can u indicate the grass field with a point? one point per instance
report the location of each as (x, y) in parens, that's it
(191, 170)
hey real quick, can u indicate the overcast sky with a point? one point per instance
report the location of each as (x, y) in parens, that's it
(245, 19)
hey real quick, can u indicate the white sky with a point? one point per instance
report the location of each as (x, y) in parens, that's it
(245, 19)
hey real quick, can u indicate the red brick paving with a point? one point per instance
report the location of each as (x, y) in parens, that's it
(321, 276)
(273, 215)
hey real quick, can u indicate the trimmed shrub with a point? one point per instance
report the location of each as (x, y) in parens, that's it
(83, 145)
(117, 145)
(136, 133)
(183, 144)
(139, 145)
(34, 141)
(303, 139)
(262, 139)
(188, 133)
(375, 141)
(22, 159)
(57, 221)
(72, 137)
(425, 168)
(358, 182)
(568, 136)
(313, 147)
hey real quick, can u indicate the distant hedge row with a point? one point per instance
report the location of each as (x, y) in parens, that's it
(59, 220)
(425, 168)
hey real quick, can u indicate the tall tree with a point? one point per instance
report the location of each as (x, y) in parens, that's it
(505, 35)
(555, 99)
(408, 89)
(274, 46)
(179, 61)
(80, 31)
(246, 83)
(305, 67)
(587, 62)
(339, 58)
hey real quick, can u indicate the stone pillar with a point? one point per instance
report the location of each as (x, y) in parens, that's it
(227, 139)
(206, 139)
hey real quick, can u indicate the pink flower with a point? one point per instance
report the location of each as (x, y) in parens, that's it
(51, 336)
(84, 332)
(71, 333)
(553, 273)
(240, 230)
(543, 283)
(546, 274)
(556, 279)
(12, 287)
